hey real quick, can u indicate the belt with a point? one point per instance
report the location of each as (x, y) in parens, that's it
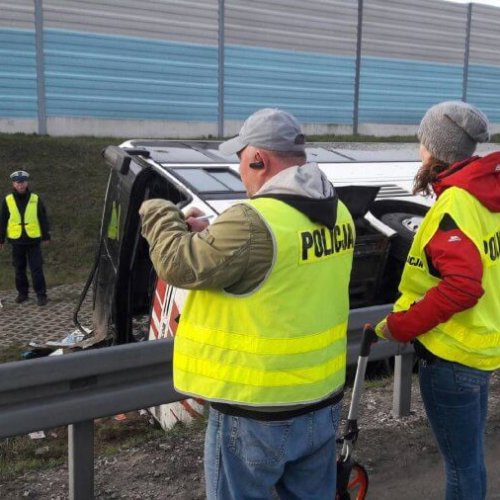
(237, 411)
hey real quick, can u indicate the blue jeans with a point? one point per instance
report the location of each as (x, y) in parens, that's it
(456, 402)
(248, 459)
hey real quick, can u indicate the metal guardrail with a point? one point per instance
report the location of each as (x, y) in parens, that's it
(75, 389)
(381, 350)
(403, 354)
(61, 390)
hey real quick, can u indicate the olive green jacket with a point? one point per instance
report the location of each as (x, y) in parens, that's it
(233, 253)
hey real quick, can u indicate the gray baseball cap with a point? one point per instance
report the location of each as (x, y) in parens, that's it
(268, 128)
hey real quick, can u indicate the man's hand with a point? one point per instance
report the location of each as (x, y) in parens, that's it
(193, 212)
(194, 219)
(45, 242)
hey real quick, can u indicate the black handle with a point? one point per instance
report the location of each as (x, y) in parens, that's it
(369, 338)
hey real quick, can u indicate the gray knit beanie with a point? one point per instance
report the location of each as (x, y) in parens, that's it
(451, 130)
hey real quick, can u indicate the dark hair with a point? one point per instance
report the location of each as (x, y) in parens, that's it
(426, 175)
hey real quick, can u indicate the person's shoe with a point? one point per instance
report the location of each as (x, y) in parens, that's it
(21, 298)
(41, 300)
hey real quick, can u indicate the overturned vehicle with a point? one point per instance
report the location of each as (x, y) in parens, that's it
(130, 303)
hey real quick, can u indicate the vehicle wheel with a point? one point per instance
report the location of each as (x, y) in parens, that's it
(405, 224)
(404, 218)
(357, 485)
(358, 482)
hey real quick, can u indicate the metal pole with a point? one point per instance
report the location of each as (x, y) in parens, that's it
(220, 76)
(357, 76)
(81, 460)
(40, 68)
(465, 77)
(403, 369)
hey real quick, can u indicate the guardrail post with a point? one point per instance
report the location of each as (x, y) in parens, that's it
(81, 460)
(401, 399)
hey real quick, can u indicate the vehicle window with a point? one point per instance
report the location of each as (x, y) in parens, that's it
(230, 180)
(203, 181)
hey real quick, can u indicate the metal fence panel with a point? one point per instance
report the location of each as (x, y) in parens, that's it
(413, 54)
(300, 57)
(17, 15)
(117, 61)
(191, 21)
(317, 26)
(424, 31)
(152, 60)
(18, 89)
(484, 61)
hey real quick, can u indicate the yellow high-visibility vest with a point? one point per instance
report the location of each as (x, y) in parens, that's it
(471, 337)
(30, 219)
(285, 342)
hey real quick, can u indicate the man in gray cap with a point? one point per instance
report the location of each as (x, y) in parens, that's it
(450, 299)
(262, 336)
(24, 223)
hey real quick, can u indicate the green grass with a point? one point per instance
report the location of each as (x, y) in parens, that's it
(22, 454)
(11, 352)
(70, 176)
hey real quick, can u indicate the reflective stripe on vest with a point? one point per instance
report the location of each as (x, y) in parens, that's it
(285, 342)
(30, 219)
(471, 337)
(114, 222)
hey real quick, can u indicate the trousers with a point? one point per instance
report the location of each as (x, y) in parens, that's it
(249, 459)
(23, 255)
(456, 402)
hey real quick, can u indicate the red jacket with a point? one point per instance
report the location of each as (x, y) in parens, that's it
(451, 254)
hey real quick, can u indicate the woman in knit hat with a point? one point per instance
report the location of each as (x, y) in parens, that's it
(450, 294)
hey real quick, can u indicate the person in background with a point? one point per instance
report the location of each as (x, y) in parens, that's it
(262, 335)
(24, 223)
(450, 294)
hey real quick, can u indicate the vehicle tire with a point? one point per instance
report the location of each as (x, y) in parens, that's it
(357, 486)
(404, 223)
(404, 218)
(401, 243)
